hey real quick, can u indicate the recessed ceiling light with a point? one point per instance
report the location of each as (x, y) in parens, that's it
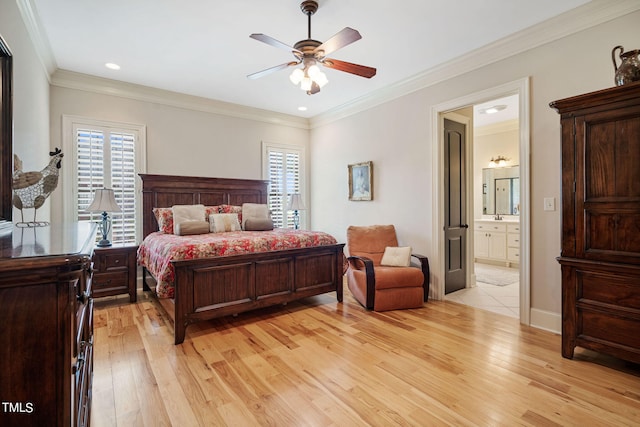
(302, 108)
(493, 109)
(112, 66)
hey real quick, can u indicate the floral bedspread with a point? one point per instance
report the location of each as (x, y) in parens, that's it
(158, 249)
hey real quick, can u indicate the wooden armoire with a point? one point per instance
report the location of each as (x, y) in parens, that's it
(600, 258)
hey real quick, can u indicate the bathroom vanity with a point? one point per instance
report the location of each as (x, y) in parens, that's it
(497, 241)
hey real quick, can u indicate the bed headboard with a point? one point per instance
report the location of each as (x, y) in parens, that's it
(164, 191)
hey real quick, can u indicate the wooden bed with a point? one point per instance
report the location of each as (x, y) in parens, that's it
(213, 287)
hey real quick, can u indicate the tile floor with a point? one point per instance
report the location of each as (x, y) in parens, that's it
(498, 299)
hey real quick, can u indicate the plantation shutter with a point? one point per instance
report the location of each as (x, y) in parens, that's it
(284, 170)
(106, 158)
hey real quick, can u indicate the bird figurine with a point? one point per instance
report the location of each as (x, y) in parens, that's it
(31, 189)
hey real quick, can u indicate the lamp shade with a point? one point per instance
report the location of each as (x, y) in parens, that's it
(296, 203)
(104, 201)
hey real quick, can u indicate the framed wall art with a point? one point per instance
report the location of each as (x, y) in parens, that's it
(361, 181)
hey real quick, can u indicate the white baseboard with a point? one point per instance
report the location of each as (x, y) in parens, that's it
(547, 320)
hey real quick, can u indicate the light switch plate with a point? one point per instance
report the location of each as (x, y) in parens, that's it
(549, 203)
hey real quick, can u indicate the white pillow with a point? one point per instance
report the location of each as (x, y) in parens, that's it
(396, 256)
(221, 223)
(183, 213)
(254, 211)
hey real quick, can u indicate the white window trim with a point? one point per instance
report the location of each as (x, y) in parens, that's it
(69, 187)
(266, 146)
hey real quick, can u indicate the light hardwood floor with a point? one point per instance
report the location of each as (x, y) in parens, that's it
(321, 363)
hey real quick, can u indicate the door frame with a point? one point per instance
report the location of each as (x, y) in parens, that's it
(521, 88)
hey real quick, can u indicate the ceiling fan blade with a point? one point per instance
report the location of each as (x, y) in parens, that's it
(343, 38)
(273, 42)
(271, 70)
(348, 67)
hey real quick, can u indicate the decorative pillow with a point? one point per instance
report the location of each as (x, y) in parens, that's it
(254, 224)
(187, 228)
(231, 209)
(220, 223)
(208, 210)
(396, 256)
(182, 213)
(254, 211)
(164, 216)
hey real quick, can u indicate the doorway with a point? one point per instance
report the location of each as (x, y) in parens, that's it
(495, 195)
(521, 89)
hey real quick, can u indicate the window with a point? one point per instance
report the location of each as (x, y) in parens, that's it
(283, 168)
(108, 155)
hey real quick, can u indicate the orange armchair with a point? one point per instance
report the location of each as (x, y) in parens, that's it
(378, 287)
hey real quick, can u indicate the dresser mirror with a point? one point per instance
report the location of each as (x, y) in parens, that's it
(6, 119)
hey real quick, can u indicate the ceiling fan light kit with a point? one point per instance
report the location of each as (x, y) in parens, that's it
(311, 52)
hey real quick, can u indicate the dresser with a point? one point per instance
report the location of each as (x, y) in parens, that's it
(46, 319)
(600, 258)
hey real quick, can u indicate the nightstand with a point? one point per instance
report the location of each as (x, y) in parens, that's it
(114, 271)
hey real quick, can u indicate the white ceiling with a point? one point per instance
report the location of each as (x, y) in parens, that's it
(202, 47)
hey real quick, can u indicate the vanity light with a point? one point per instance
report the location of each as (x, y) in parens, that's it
(498, 162)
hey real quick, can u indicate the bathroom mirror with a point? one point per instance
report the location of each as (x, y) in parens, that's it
(501, 191)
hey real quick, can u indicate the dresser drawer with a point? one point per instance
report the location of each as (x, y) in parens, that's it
(110, 282)
(112, 261)
(513, 240)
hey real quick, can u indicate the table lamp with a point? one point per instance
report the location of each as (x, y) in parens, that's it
(296, 204)
(104, 201)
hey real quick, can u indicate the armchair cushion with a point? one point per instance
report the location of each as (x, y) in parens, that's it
(398, 277)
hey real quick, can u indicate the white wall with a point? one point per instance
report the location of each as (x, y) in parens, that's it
(396, 136)
(180, 141)
(30, 100)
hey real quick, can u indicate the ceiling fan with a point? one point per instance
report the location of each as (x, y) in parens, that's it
(311, 52)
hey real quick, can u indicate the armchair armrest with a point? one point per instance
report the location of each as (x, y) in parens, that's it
(358, 263)
(424, 263)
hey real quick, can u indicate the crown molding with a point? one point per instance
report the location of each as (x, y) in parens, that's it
(40, 41)
(72, 80)
(586, 16)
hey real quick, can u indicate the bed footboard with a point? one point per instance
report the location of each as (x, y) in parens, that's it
(214, 287)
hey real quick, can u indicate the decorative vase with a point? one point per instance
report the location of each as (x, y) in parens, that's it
(629, 69)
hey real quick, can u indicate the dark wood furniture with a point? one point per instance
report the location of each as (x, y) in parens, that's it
(115, 271)
(214, 287)
(46, 316)
(6, 134)
(600, 257)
